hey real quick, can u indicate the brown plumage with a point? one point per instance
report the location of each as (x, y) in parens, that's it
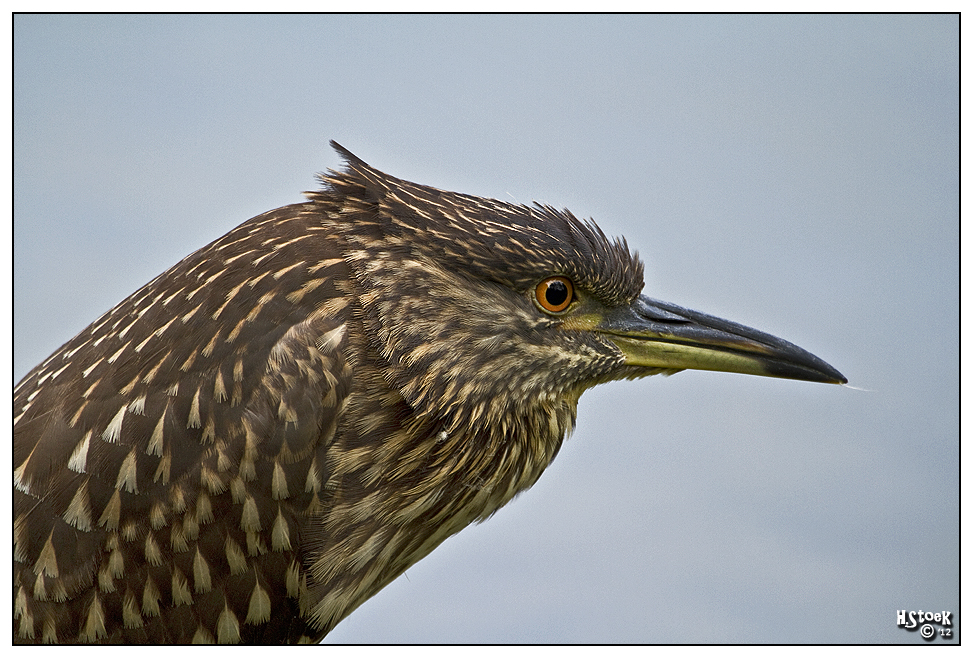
(271, 431)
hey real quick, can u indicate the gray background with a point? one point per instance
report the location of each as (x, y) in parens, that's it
(797, 174)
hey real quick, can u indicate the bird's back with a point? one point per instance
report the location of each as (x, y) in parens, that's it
(169, 457)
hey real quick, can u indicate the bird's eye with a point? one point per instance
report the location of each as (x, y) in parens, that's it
(554, 294)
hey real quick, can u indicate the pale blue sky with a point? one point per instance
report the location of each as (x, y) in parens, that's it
(797, 174)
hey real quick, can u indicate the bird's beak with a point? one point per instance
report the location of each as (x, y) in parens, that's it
(656, 334)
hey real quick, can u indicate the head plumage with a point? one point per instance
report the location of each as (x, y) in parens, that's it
(511, 244)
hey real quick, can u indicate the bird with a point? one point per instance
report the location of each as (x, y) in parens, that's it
(271, 431)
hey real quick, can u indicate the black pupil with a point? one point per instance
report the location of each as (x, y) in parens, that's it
(556, 293)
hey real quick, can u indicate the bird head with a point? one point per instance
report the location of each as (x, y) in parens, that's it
(490, 311)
